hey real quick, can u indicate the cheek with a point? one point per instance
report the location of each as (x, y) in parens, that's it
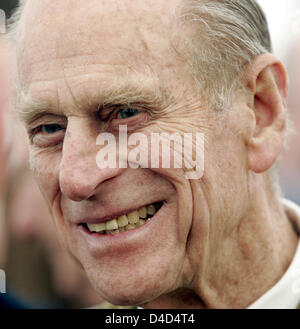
(225, 182)
(46, 171)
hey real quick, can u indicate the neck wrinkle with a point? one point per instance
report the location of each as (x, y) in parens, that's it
(261, 251)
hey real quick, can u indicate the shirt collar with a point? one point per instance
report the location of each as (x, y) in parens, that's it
(286, 292)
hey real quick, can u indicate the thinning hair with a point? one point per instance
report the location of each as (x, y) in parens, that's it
(13, 21)
(227, 35)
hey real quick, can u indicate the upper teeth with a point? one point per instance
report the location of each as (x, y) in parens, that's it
(125, 222)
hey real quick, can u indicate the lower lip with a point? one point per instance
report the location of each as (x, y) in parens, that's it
(98, 241)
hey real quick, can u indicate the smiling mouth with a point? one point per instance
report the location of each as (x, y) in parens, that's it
(125, 222)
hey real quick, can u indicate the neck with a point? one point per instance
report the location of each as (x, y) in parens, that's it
(248, 264)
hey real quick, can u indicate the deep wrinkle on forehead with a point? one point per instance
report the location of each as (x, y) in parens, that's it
(90, 94)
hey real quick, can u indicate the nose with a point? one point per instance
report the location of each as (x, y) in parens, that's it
(79, 175)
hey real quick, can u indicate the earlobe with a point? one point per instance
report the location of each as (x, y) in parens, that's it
(267, 81)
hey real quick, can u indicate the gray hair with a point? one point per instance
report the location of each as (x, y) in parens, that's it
(229, 35)
(13, 21)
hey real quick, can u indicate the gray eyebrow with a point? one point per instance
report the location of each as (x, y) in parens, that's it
(28, 110)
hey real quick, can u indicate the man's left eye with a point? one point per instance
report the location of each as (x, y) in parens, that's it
(127, 113)
(51, 128)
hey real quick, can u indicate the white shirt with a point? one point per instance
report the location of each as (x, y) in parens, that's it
(286, 292)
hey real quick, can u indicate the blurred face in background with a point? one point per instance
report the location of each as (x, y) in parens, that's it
(3, 142)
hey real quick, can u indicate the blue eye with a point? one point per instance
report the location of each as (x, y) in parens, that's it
(51, 129)
(127, 113)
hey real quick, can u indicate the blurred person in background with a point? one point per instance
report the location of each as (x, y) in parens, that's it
(3, 150)
(7, 299)
(7, 6)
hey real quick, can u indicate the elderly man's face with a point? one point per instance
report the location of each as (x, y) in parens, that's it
(74, 56)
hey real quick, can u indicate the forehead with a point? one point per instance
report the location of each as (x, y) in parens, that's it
(61, 35)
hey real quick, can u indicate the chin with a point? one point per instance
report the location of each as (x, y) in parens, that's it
(128, 294)
(133, 285)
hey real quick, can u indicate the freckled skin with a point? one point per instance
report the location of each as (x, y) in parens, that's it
(195, 255)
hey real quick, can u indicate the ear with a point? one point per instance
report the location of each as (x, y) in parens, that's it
(266, 79)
